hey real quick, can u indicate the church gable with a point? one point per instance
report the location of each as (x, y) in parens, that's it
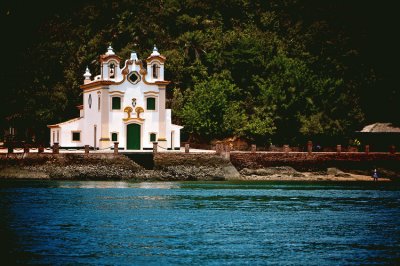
(133, 70)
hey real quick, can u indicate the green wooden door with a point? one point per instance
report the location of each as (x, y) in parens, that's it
(133, 137)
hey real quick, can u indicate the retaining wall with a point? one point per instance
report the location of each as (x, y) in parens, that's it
(67, 166)
(195, 166)
(192, 159)
(316, 161)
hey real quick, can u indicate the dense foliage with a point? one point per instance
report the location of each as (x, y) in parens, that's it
(279, 71)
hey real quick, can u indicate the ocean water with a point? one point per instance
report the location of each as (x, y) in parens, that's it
(199, 223)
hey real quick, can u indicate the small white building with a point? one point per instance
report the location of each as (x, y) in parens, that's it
(124, 104)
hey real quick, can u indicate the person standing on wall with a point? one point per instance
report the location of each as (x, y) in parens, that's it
(375, 175)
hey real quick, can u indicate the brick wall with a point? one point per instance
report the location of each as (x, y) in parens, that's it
(316, 161)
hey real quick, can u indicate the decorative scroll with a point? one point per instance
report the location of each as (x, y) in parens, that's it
(128, 110)
(139, 110)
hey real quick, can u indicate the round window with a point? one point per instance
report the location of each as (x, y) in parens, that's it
(134, 77)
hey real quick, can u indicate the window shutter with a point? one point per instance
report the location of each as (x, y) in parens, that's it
(151, 104)
(76, 136)
(116, 103)
(114, 137)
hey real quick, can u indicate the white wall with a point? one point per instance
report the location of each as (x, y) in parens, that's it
(65, 133)
(151, 118)
(91, 119)
(127, 91)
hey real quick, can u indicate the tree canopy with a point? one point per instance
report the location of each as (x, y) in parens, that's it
(279, 71)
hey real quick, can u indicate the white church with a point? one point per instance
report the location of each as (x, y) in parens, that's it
(124, 104)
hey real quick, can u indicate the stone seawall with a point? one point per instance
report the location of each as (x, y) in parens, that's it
(359, 163)
(195, 166)
(198, 166)
(107, 166)
(67, 166)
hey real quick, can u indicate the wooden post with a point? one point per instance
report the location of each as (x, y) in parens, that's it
(56, 148)
(367, 149)
(286, 148)
(116, 148)
(227, 151)
(218, 148)
(309, 147)
(392, 149)
(339, 148)
(26, 149)
(253, 148)
(10, 148)
(86, 149)
(155, 147)
(187, 148)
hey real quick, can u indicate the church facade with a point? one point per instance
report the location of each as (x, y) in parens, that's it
(124, 104)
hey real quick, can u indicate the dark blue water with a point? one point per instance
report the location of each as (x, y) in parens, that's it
(122, 223)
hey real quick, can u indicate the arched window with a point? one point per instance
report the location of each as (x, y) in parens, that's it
(156, 69)
(98, 103)
(153, 137)
(111, 71)
(151, 103)
(114, 136)
(116, 103)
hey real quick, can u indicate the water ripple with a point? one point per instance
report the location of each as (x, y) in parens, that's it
(181, 223)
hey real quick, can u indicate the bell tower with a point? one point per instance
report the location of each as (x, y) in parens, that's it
(155, 74)
(155, 66)
(110, 63)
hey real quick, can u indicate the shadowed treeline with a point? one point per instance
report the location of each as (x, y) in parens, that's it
(264, 71)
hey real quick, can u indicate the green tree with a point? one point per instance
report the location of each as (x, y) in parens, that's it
(285, 70)
(207, 105)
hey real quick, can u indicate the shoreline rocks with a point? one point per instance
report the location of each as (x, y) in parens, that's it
(177, 167)
(116, 167)
(287, 173)
(69, 167)
(268, 171)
